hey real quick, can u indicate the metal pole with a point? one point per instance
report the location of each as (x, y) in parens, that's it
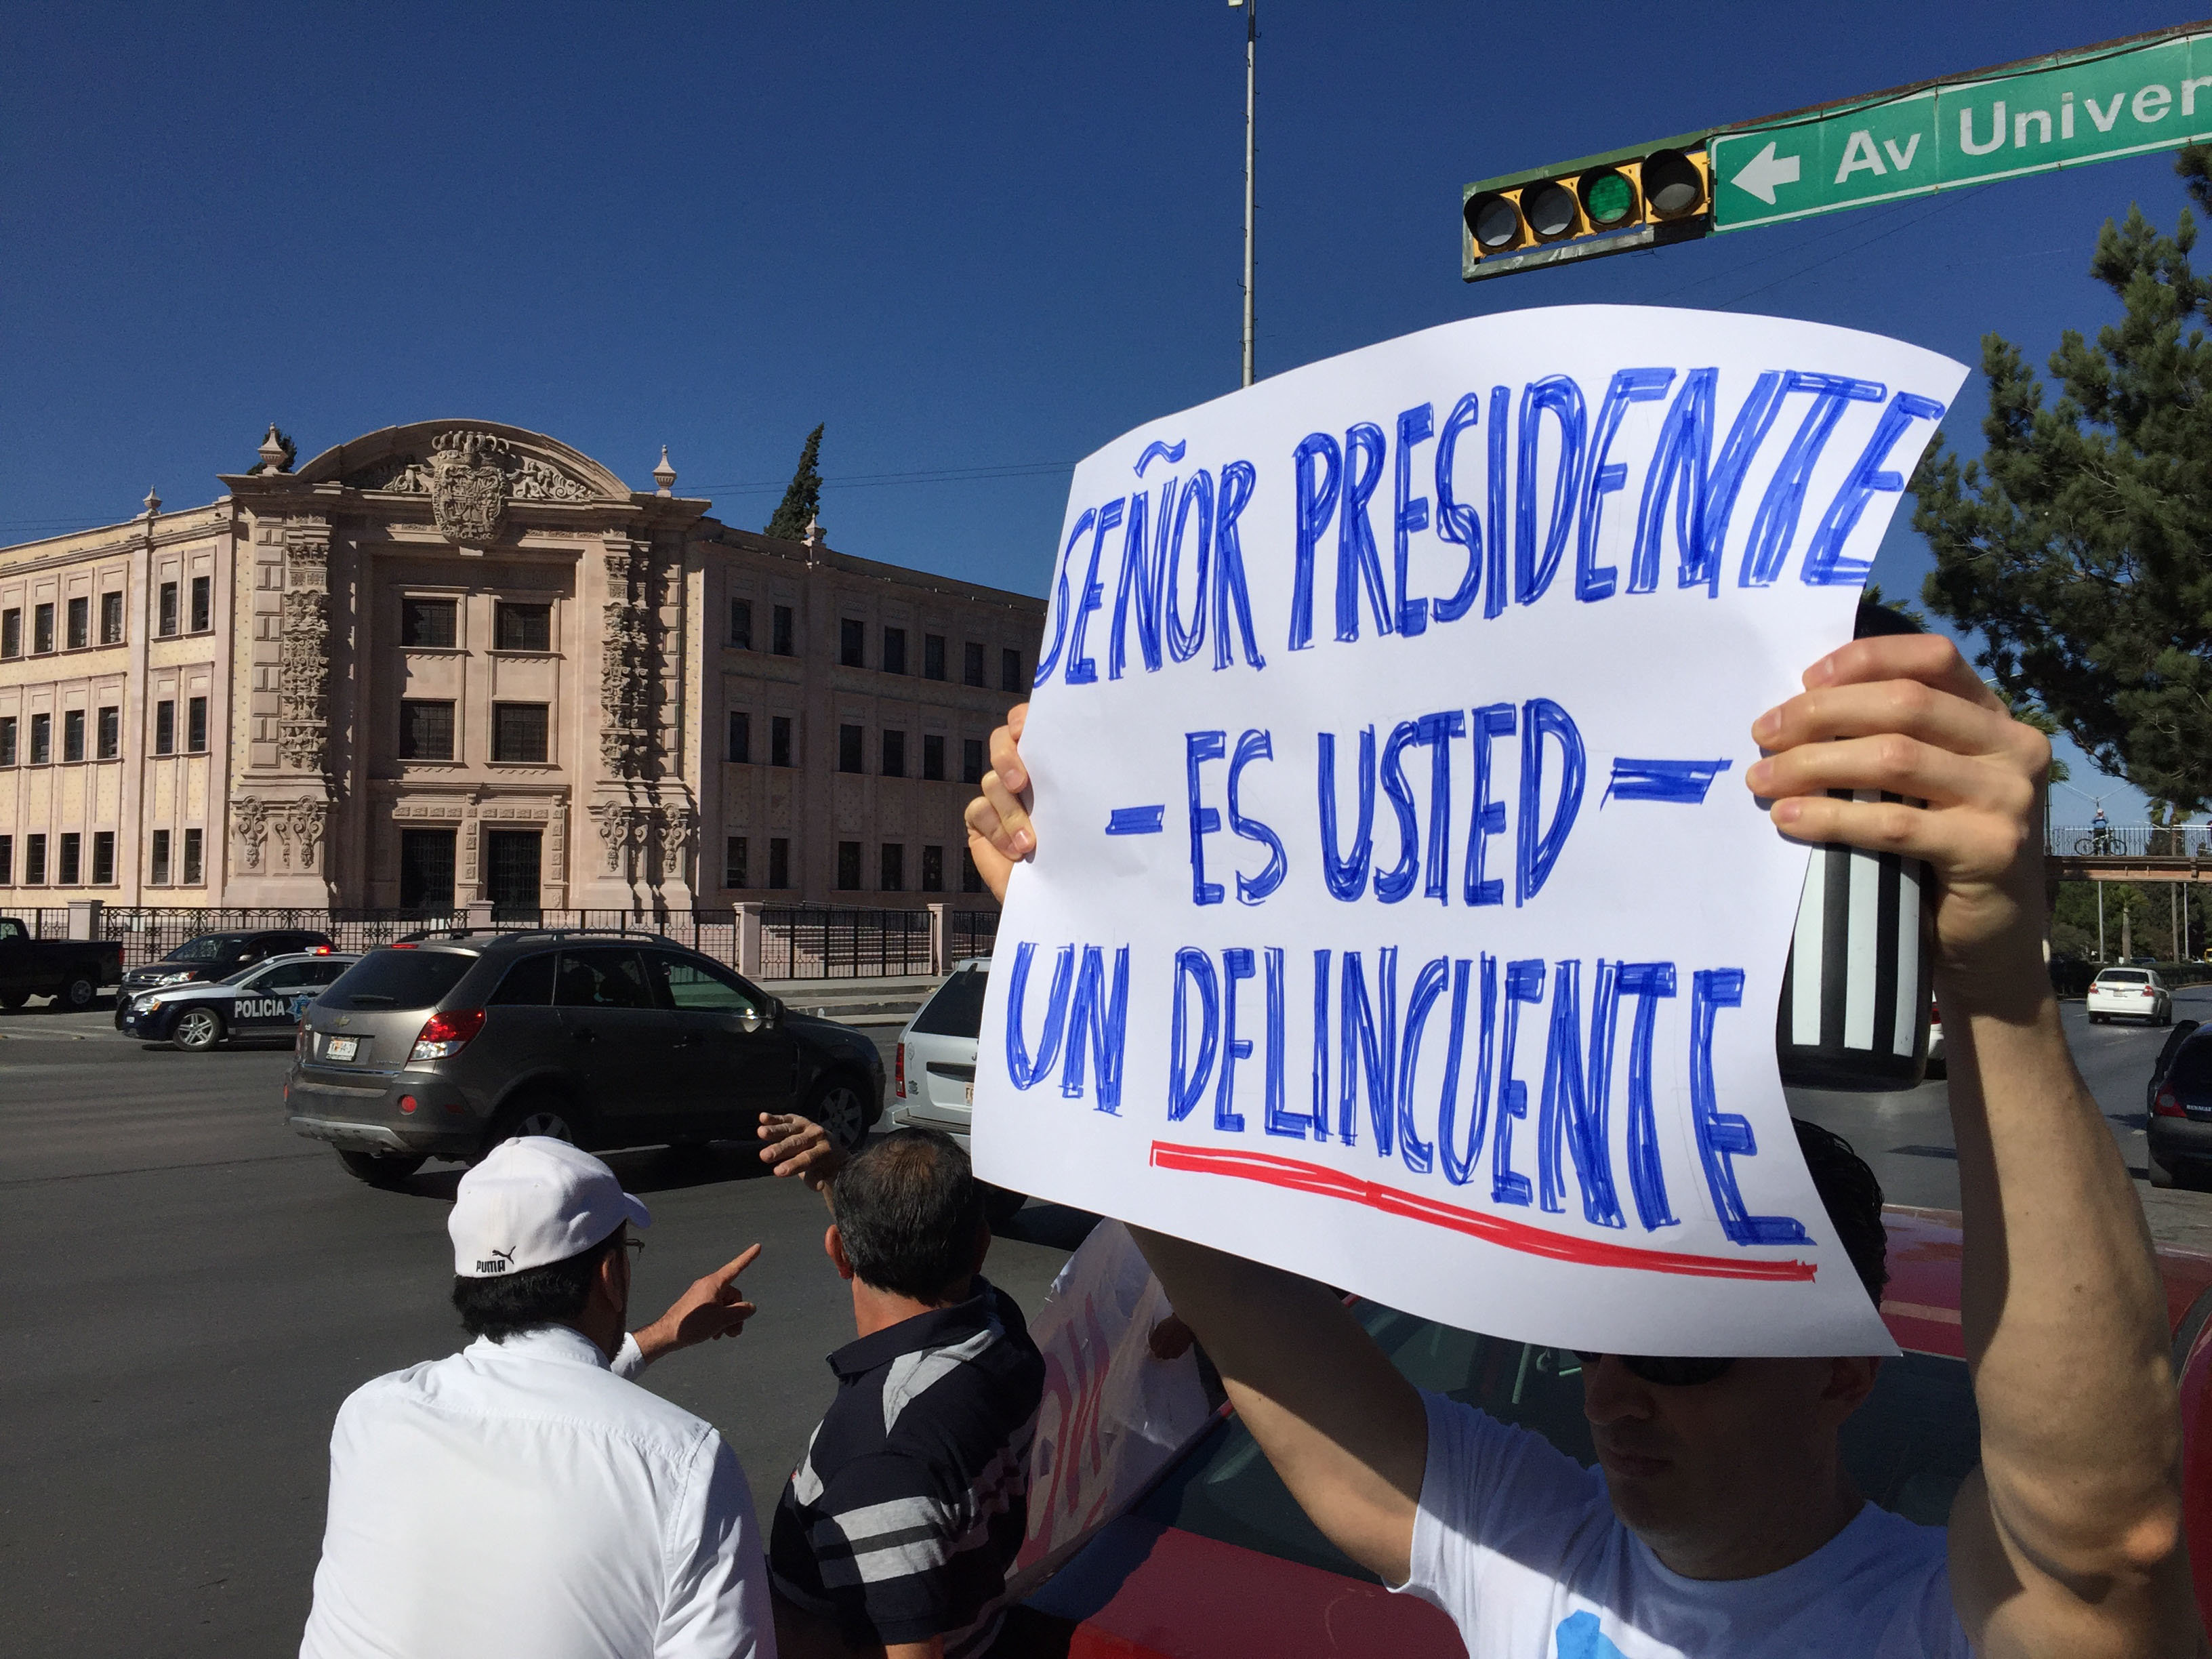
(1251, 106)
(2101, 920)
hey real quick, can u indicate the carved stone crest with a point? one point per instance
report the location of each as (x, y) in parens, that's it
(468, 485)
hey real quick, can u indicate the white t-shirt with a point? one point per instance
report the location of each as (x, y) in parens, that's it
(1519, 1544)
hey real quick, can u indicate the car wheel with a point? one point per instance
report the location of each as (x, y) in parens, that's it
(1001, 1204)
(1939, 1066)
(2160, 1176)
(381, 1169)
(77, 995)
(539, 1115)
(199, 1029)
(838, 1107)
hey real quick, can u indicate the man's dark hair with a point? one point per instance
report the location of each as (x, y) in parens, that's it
(909, 1211)
(510, 1303)
(1852, 1198)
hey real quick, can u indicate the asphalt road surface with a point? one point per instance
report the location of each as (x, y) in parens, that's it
(187, 1291)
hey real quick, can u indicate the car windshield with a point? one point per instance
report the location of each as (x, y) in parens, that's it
(399, 979)
(956, 1010)
(208, 947)
(2122, 977)
(1908, 1447)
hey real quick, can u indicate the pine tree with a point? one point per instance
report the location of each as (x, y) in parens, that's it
(2078, 544)
(803, 500)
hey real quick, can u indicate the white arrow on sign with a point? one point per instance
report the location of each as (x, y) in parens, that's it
(1765, 171)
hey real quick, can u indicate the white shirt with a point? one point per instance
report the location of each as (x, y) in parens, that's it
(517, 1497)
(1519, 1544)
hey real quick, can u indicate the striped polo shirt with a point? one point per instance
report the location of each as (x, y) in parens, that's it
(906, 1512)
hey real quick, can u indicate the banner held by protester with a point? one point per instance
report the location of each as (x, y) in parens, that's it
(1400, 916)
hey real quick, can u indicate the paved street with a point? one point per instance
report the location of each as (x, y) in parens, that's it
(189, 1292)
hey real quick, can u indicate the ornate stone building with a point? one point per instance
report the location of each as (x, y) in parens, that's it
(457, 663)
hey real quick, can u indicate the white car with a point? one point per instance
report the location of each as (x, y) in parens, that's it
(933, 1076)
(2130, 993)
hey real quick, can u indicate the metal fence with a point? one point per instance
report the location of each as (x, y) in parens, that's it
(2129, 840)
(796, 941)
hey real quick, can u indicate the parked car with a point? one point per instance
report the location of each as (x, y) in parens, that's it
(1216, 1561)
(265, 1000)
(2130, 993)
(2177, 1103)
(69, 970)
(1938, 1065)
(444, 1046)
(216, 956)
(934, 1076)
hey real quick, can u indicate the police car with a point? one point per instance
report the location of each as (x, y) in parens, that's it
(265, 1000)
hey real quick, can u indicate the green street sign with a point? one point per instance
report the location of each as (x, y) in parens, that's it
(2090, 106)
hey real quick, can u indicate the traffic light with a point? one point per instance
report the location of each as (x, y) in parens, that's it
(1601, 204)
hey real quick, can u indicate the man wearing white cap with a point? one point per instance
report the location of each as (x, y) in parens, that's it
(522, 1496)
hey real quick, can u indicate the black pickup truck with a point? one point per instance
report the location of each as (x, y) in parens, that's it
(70, 970)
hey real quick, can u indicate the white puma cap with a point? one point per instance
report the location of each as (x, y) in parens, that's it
(535, 1201)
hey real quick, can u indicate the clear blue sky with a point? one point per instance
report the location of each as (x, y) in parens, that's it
(975, 239)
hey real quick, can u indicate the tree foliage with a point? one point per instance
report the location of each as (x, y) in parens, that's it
(2078, 543)
(802, 499)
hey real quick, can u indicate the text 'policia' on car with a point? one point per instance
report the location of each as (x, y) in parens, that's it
(444, 1045)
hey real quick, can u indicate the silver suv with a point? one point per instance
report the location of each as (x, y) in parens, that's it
(444, 1045)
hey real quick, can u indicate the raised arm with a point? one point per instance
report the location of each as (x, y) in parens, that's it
(2069, 1540)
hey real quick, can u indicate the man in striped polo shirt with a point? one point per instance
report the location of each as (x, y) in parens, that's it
(895, 1532)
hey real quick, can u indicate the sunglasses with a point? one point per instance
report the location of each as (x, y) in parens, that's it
(1667, 1372)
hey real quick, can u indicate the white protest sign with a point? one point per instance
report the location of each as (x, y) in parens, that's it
(1399, 915)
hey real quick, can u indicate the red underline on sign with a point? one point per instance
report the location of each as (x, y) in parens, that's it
(1289, 1172)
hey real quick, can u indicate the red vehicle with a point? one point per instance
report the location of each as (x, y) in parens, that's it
(1216, 1562)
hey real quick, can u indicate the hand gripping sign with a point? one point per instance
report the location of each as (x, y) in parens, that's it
(1399, 916)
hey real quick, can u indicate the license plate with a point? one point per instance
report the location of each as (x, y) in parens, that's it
(970, 1094)
(342, 1047)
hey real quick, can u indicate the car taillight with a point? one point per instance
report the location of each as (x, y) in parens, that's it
(2167, 1104)
(898, 1079)
(447, 1034)
(1934, 1012)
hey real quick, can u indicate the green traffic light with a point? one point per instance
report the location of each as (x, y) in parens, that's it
(1607, 197)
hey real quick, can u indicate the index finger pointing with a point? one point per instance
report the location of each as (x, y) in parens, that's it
(744, 1259)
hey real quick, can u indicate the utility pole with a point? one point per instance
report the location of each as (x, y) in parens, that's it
(1251, 10)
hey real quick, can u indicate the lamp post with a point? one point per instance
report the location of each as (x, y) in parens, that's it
(1251, 10)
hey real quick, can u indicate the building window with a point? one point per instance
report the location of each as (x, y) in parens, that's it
(894, 651)
(894, 754)
(167, 624)
(430, 624)
(932, 656)
(851, 638)
(79, 623)
(11, 632)
(103, 857)
(848, 867)
(971, 878)
(7, 739)
(42, 738)
(7, 860)
(157, 869)
(524, 627)
(73, 734)
(196, 725)
(932, 869)
(971, 663)
(426, 731)
(193, 844)
(42, 629)
(971, 760)
(932, 757)
(202, 603)
(733, 862)
(111, 619)
(848, 748)
(110, 732)
(779, 862)
(741, 624)
(741, 736)
(893, 867)
(781, 642)
(1010, 670)
(72, 860)
(518, 731)
(778, 740)
(165, 727)
(34, 860)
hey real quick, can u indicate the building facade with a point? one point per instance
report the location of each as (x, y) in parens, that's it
(457, 663)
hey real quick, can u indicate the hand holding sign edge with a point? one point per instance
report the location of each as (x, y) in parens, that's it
(999, 834)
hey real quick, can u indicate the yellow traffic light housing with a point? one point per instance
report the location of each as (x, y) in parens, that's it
(1602, 204)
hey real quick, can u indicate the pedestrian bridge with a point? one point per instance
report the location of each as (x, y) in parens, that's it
(2129, 852)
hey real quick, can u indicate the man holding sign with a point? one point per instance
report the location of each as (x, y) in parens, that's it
(1721, 1521)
